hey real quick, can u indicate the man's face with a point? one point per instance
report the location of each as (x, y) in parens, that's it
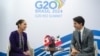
(77, 25)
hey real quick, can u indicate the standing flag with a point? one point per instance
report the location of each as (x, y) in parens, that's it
(58, 42)
(46, 40)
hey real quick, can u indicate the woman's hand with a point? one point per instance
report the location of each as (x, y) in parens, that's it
(27, 53)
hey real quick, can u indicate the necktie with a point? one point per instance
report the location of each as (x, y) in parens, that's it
(79, 33)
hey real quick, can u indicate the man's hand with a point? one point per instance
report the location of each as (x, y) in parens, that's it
(74, 52)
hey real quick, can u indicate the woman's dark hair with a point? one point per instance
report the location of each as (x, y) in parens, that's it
(79, 19)
(19, 22)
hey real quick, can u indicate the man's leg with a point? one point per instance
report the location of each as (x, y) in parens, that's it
(84, 54)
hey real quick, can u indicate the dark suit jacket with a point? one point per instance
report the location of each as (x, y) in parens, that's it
(86, 48)
(14, 44)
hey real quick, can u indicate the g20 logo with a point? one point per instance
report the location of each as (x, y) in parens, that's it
(46, 4)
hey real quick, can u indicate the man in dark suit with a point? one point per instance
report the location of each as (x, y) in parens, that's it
(82, 41)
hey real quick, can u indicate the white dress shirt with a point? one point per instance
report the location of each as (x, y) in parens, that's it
(82, 32)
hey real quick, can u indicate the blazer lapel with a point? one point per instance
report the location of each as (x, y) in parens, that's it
(77, 37)
(83, 36)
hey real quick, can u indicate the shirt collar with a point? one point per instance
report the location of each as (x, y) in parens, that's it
(82, 29)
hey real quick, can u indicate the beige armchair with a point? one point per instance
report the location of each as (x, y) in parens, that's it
(31, 49)
(96, 48)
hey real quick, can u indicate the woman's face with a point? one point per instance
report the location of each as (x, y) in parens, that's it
(23, 25)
